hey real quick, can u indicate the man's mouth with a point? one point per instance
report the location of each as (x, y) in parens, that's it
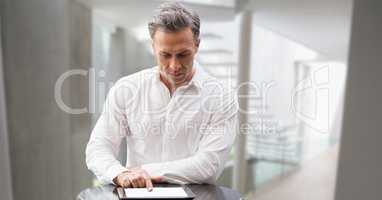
(178, 77)
(176, 74)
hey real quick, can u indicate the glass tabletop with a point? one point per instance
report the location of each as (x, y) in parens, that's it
(202, 192)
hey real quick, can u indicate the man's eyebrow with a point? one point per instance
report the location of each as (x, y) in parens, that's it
(163, 52)
(184, 51)
(181, 52)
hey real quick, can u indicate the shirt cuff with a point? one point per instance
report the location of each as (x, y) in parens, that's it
(114, 171)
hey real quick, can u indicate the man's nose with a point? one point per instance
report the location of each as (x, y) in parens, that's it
(175, 64)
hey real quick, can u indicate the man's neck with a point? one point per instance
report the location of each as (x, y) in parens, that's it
(171, 86)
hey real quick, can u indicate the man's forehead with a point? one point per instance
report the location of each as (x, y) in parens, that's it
(174, 42)
(174, 47)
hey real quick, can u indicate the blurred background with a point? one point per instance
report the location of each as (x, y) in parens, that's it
(59, 58)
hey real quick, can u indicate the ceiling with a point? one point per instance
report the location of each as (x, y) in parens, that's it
(323, 25)
(132, 13)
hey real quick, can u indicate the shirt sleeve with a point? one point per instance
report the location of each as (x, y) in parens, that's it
(103, 146)
(208, 162)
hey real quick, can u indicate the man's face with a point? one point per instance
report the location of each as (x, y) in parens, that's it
(175, 53)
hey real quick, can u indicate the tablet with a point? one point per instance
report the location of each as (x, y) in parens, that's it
(179, 192)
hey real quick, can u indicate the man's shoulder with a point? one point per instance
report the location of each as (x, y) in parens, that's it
(220, 94)
(212, 84)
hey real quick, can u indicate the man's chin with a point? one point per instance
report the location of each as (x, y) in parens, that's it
(179, 83)
(177, 79)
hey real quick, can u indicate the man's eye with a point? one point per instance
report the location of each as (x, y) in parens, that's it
(166, 55)
(183, 55)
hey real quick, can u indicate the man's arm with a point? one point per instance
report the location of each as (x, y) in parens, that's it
(105, 139)
(208, 162)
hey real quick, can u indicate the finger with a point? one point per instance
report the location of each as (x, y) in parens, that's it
(157, 179)
(134, 182)
(149, 184)
(142, 182)
(127, 183)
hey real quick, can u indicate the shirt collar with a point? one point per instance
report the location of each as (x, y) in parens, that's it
(197, 79)
(199, 76)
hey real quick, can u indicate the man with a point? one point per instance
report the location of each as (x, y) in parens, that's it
(178, 121)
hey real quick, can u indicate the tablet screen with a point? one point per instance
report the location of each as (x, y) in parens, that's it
(157, 192)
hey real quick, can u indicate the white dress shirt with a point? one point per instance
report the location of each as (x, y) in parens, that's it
(185, 137)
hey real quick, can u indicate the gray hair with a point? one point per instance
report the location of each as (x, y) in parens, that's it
(173, 17)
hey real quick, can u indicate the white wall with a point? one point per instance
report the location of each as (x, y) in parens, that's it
(308, 22)
(274, 71)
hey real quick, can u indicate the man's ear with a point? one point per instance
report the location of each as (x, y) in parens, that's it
(153, 47)
(197, 43)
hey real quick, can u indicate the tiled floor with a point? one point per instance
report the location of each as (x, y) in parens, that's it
(314, 180)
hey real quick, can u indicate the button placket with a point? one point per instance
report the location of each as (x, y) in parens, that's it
(166, 93)
(168, 120)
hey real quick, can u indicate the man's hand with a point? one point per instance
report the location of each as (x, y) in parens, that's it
(136, 178)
